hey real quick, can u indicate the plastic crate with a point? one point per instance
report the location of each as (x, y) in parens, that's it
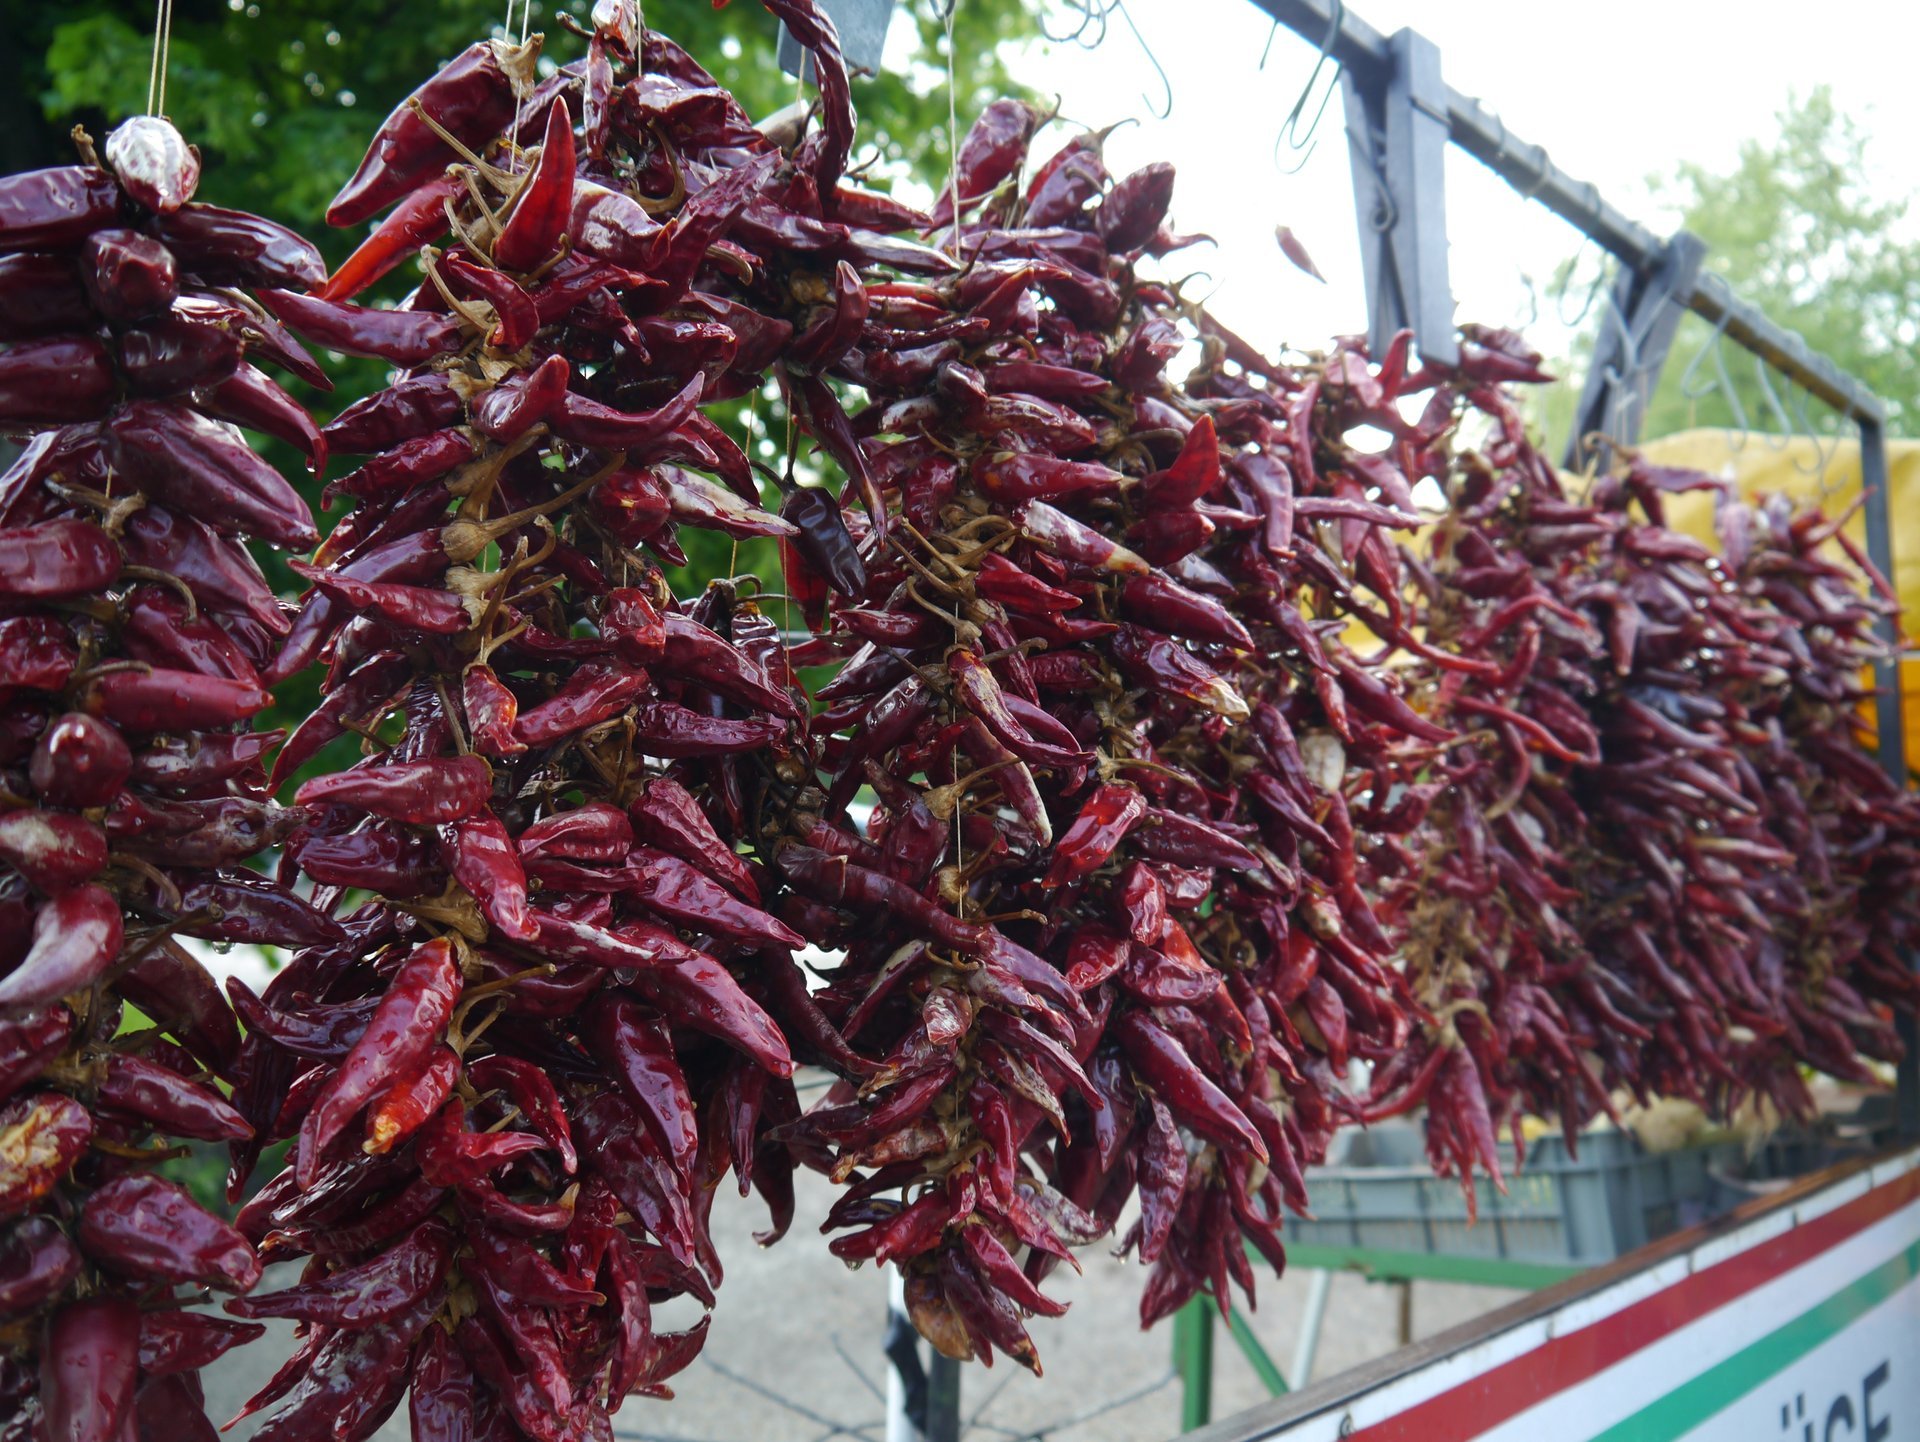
(1558, 1210)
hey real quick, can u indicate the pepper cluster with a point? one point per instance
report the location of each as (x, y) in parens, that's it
(562, 1018)
(1104, 930)
(1160, 844)
(1672, 869)
(134, 624)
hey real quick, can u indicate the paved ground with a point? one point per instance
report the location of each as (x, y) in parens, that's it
(794, 1355)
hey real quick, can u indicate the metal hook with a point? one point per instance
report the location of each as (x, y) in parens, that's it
(1385, 212)
(1741, 425)
(1623, 384)
(1091, 13)
(1712, 343)
(1723, 381)
(1533, 302)
(1046, 32)
(1823, 455)
(1290, 135)
(1152, 59)
(1780, 416)
(1566, 284)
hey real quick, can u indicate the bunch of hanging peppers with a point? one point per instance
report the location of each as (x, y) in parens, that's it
(1668, 865)
(563, 1014)
(134, 627)
(1172, 763)
(1103, 930)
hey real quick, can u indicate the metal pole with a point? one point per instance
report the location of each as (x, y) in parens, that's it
(906, 1380)
(943, 1399)
(1889, 715)
(1193, 1353)
(923, 1402)
(1308, 1346)
(1369, 55)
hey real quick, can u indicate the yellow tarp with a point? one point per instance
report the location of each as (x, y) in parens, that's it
(1764, 465)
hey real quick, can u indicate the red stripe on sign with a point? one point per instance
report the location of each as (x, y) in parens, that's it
(1505, 1391)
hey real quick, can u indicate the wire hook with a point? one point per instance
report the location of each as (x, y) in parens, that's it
(1566, 284)
(1712, 342)
(1090, 12)
(1722, 381)
(1290, 135)
(1823, 454)
(1623, 383)
(1780, 416)
(1533, 302)
(1158, 112)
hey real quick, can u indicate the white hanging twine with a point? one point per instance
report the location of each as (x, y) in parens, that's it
(953, 131)
(162, 44)
(520, 100)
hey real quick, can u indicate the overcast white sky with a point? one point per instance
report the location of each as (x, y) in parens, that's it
(1614, 92)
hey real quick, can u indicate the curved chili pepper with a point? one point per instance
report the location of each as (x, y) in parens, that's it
(146, 1227)
(470, 98)
(428, 792)
(451, 1156)
(56, 558)
(404, 337)
(89, 1369)
(378, 1290)
(55, 207)
(544, 205)
(76, 937)
(533, 1094)
(197, 466)
(398, 1039)
(137, 1087)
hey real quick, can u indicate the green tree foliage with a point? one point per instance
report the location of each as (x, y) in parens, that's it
(282, 96)
(1798, 228)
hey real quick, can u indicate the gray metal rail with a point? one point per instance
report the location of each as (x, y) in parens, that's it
(1529, 169)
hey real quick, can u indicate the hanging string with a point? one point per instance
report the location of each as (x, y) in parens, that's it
(162, 47)
(953, 129)
(520, 100)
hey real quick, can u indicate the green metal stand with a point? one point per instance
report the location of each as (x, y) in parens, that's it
(1385, 1266)
(1193, 1323)
(1193, 1357)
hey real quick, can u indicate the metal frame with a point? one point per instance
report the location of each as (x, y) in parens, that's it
(1400, 116)
(1636, 332)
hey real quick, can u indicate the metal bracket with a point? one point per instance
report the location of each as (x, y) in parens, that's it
(862, 25)
(1642, 316)
(1397, 128)
(923, 1401)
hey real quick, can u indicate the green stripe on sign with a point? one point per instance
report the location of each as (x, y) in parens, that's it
(1720, 1386)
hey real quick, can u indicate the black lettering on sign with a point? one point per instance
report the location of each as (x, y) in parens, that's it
(1879, 1429)
(1841, 1410)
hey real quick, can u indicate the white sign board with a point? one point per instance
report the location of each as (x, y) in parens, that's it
(1801, 1324)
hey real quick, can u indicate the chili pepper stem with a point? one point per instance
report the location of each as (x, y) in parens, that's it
(475, 482)
(477, 314)
(497, 177)
(170, 581)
